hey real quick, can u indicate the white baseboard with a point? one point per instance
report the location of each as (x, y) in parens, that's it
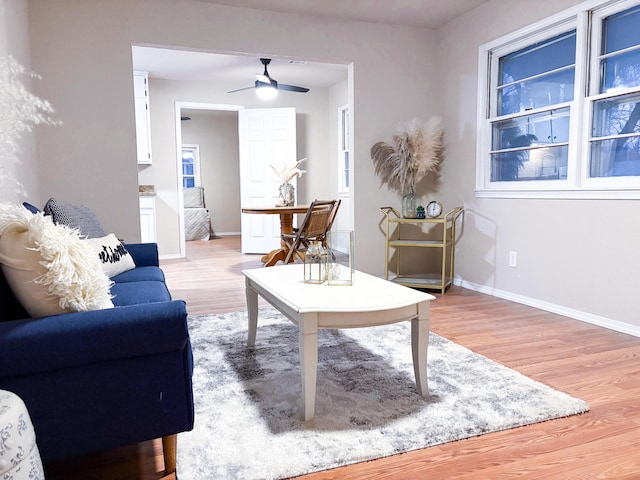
(609, 323)
(226, 234)
(170, 256)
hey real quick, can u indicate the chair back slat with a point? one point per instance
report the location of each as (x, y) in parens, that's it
(315, 225)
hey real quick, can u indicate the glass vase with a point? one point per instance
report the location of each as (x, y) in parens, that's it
(286, 195)
(315, 263)
(410, 203)
(340, 265)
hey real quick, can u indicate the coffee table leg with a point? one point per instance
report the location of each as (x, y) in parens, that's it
(308, 339)
(419, 347)
(252, 312)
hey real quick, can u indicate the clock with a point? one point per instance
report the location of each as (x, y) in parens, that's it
(434, 209)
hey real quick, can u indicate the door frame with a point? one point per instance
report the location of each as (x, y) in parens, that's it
(178, 106)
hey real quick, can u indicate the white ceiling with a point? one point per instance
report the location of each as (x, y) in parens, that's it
(412, 13)
(239, 71)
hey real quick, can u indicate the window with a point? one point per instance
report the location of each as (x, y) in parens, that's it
(555, 120)
(615, 138)
(190, 166)
(343, 148)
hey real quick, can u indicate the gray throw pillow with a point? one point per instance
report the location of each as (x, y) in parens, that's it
(75, 216)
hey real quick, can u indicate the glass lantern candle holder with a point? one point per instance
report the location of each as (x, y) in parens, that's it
(340, 265)
(315, 263)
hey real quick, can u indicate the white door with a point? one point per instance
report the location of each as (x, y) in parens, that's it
(267, 137)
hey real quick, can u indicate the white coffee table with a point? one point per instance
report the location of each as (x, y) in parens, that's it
(370, 301)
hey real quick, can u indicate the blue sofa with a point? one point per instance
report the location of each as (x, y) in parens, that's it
(105, 378)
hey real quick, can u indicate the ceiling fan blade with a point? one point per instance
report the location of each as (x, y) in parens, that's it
(292, 88)
(240, 89)
(265, 80)
(261, 77)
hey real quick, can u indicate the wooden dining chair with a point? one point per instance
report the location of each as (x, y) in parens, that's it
(315, 225)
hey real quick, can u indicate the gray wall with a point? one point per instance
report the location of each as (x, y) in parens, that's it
(94, 75)
(14, 41)
(577, 257)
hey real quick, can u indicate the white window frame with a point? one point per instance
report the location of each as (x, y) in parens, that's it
(195, 149)
(578, 183)
(344, 174)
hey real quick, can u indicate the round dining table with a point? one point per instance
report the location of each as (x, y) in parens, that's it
(286, 226)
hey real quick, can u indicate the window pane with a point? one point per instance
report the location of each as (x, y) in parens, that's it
(187, 169)
(188, 182)
(546, 163)
(615, 158)
(530, 151)
(539, 58)
(544, 91)
(621, 71)
(540, 128)
(529, 78)
(621, 30)
(616, 117)
(346, 170)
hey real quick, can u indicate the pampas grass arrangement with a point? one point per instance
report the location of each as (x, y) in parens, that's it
(287, 172)
(20, 110)
(417, 150)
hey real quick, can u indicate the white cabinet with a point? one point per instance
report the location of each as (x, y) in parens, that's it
(143, 124)
(148, 219)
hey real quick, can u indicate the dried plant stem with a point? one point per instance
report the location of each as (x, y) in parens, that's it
(416, 151)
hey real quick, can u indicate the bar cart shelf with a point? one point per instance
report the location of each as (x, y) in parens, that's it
(444, 245)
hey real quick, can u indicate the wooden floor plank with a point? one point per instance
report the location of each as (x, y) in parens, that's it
(593, 363)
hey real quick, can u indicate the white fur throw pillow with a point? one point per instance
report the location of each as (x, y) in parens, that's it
(113, 255)
(50, 269)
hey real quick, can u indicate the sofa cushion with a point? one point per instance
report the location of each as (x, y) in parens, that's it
(133, 293)
(140, 274)
(144, 254)
(49, 267)
(113, 255)
(75, 216)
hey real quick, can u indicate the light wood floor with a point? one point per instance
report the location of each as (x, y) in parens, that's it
(595, 364)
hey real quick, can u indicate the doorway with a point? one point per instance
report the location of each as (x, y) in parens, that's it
(236, 148)
(211, 93)
(215, 130)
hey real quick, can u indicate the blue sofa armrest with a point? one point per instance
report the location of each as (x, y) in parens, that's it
(74, 339)
(144, 254)
(101, 379)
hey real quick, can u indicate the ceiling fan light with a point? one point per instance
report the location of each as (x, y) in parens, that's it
(266, 92)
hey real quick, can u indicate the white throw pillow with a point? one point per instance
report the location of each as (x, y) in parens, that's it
(113, 255)
(49, 268)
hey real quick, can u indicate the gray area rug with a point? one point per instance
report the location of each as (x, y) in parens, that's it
(248, 401)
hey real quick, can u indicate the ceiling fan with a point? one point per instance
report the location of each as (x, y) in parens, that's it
(267, 87)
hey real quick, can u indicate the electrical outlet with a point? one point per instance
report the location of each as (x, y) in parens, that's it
(513, 259)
